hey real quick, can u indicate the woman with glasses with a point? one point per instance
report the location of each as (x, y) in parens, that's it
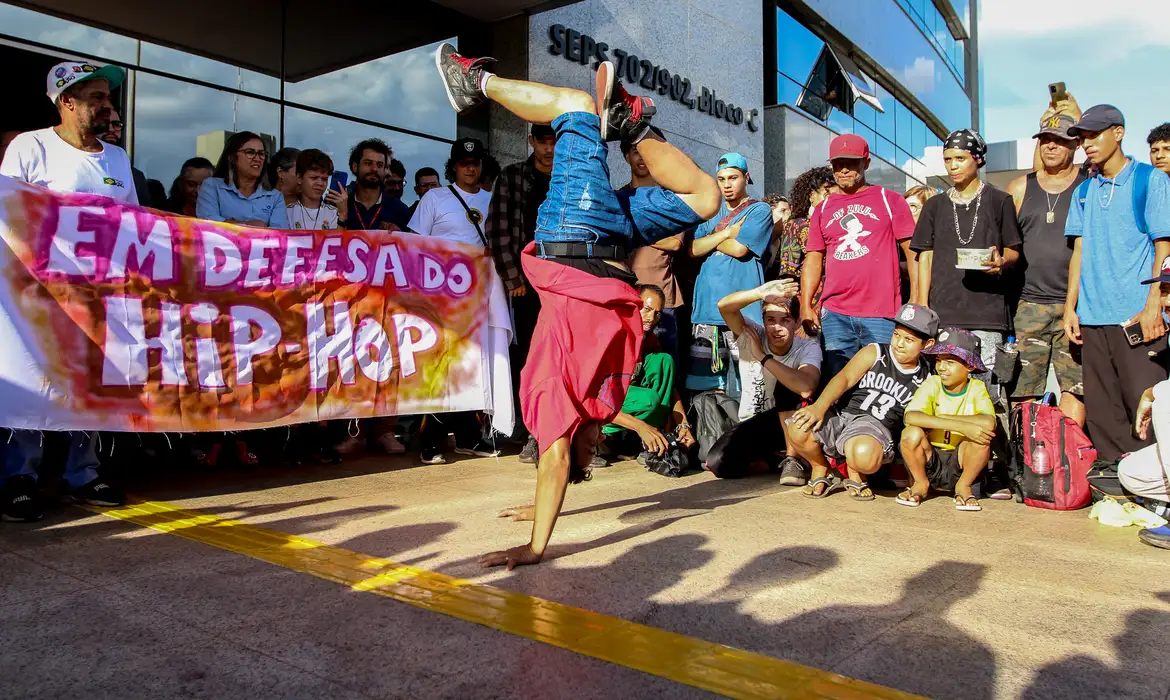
(239, 191)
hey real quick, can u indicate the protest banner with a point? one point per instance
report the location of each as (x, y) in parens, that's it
(122, 318)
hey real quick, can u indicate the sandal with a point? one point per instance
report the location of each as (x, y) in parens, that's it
(858, 490)
(909, 498)
(830, 484)
(967, 503)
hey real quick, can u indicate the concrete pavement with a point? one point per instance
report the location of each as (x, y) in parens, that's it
(1010, 602)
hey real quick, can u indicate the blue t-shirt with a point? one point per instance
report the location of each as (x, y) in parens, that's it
(722, 274)
(1115, 255)
(219, 201)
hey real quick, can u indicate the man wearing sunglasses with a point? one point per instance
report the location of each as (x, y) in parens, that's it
(113, 136)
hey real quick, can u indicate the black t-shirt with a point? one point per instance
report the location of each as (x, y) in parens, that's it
(1047, 250)
(967, 299)
(885, 390)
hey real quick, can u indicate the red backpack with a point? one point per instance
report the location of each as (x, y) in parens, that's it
(1051, 457)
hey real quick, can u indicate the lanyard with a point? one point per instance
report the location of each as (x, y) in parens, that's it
(361, 219)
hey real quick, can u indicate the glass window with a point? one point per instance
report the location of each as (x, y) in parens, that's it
(841, 123)
(67, 35)
(787, 90)
(304, 129)
(399, 89)
(902, 127)
(797, 49)
(884, 149)
(191, 66)
(885, 120)
(865, 114)
(170, 116)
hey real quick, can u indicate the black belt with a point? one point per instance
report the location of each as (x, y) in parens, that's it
(581, 250)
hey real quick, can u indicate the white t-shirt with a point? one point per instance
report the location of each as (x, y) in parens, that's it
(759, 385)
(43, 158)
(323, 218)
(440, 214)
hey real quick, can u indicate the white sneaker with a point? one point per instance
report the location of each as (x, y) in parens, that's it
(349, 445)
(391, 444)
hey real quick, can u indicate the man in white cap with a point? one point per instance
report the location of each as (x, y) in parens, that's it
(69, 157)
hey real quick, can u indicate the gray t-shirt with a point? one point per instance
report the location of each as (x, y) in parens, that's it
(759, 385)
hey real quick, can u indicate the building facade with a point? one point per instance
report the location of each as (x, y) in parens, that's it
(771, 79)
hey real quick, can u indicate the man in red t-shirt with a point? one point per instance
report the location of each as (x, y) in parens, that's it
(853, 239)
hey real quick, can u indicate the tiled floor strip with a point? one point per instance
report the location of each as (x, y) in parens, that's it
(714, 667)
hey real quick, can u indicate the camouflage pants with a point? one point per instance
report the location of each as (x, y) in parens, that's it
(1041, 340)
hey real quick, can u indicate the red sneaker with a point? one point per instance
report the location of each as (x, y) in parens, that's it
(624, 117)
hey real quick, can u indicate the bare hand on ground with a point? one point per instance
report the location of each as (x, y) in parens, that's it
(517, 513)
(510, 558)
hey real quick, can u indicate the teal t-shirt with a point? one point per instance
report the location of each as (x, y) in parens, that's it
(1115, 255)
(722, 274)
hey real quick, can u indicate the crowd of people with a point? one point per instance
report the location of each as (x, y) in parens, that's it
(841, 335)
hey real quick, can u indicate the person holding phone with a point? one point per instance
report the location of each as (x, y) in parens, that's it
(1119, 223)
(320, 207)
(370, 208)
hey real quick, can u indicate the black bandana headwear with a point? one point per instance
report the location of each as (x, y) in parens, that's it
(970, 141)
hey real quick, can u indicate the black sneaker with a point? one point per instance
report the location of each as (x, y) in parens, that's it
(21, 503)
(531, 453)
(461, 77)
(99, 492)
(624, 117)
(598, 462)
(479, 449)
(794, 471)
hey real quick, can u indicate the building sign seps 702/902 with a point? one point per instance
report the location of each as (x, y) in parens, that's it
(583, 49)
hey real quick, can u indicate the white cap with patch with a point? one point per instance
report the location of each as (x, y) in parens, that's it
(62, 75)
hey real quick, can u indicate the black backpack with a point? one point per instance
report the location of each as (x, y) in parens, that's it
(713, 413)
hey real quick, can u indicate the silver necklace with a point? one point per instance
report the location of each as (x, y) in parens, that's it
(953, 194)
(1051, 217)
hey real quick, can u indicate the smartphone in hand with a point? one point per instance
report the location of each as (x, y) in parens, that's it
(1133, 331)
(338, 181)
(1057, 92)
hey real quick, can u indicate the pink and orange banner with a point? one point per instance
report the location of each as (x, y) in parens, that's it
(115, 317)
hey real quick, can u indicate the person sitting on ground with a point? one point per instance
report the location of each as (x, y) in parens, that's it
(1144, 473)
(781, 371)
(652, 404)
(316, 209)
(862, 408)
(950, 424)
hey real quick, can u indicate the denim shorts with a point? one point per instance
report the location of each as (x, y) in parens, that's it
(582, 206)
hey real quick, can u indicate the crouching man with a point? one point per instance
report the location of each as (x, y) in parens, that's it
(781, 371)
(862, 408)
(950, 424)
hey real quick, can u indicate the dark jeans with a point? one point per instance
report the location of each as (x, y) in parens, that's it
(525, 311)
(1116, 374)
(749, 446)
(438, 425)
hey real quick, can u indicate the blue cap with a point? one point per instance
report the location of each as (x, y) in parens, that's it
(733, 160)
(1097, 118)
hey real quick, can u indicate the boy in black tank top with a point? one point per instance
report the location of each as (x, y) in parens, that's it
(1042, 200)
(861, 410)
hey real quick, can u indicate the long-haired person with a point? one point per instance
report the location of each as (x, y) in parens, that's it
(239, 191)
(185, 189)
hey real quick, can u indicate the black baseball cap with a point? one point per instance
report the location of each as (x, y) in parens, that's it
(1164, 277)
(917, 318)
(467, 148)
(1098, 118)
(543, 131)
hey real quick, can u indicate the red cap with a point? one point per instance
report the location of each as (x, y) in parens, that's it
(848, 146)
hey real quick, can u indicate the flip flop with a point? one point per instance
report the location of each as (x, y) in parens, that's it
(858, 490)
(967, 503)
(908, 498)
(831, 484)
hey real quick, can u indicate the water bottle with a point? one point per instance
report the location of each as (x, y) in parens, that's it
(1042, 486)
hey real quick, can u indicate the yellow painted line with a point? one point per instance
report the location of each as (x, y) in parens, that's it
(721, 669)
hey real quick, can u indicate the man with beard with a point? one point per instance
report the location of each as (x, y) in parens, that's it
(370, 209)
(69, 157)
(1042, 202)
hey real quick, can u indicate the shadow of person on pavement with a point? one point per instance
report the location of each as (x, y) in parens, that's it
(702, 496)
(1141, 671)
